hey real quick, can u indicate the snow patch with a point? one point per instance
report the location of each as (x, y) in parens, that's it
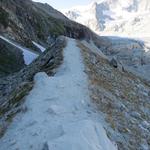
(29, 56)
(39, 46)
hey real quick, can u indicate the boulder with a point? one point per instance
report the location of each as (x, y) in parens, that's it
(45, 146)
(113, 62)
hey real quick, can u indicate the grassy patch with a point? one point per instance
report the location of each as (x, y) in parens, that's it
(57, 28)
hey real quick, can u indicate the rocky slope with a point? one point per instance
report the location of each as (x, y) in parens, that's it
(27, 21)
(122, 97)
(133, 54)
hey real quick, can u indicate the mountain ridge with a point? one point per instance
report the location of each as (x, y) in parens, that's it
(111, 16)
(35, 22)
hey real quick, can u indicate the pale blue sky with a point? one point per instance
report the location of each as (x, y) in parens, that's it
(62, 4)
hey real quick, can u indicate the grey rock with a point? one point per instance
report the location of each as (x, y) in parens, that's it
(114, 63)
(144, 145)
(45, 146)
(146, 125)
(135, 115)
(123, 107)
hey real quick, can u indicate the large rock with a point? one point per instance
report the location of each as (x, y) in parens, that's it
(45, 146)
(113, 62)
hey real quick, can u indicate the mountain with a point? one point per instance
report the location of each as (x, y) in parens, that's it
(28, 25)
(30, 42)
(111, 17)
(27, 21)
(63, 87)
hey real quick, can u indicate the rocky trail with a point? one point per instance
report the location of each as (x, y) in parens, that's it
(58, 114)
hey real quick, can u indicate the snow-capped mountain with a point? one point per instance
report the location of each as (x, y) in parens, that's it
(114, 16)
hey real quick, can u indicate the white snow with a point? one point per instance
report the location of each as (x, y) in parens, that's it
(114, 17)
(39, 46)
(29, 56)
(59, 113)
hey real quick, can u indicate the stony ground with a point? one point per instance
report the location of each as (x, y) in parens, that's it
(123, 98)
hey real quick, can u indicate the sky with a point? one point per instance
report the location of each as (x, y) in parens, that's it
(64, 4)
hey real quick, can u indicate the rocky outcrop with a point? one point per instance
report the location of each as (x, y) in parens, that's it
(14, 87)
(113, 63)
(11, 58)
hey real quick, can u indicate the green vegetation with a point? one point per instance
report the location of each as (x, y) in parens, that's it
(57, 28)
(4, 20)
(40, 32)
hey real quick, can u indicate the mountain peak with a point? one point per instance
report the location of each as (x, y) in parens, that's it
(112, 15)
